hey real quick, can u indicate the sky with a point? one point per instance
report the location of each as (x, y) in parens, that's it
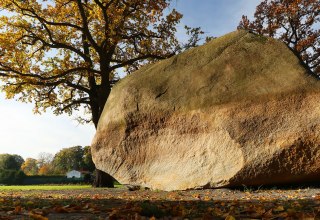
(26, 134)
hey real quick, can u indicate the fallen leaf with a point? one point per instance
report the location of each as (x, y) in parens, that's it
(37, 217)
(278, 209)
(17, 209)
(230, 217)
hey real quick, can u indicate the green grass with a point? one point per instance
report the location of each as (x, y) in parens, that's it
(45, 187)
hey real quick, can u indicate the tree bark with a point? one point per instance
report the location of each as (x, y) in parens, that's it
(101, 94)
(103, 179)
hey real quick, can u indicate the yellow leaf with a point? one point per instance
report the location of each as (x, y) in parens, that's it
(278, 209)
(230, 217)
(29, 203)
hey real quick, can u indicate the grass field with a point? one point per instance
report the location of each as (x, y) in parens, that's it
(45, 187)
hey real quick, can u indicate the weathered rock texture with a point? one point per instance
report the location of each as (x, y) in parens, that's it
(238, 110)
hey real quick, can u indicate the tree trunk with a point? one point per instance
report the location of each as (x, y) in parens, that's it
(103, 179)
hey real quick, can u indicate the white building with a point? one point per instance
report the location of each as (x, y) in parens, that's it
(73, 173)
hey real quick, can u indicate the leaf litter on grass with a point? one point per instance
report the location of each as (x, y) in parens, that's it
(144, 204)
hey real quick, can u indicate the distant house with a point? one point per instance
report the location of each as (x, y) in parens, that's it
(77, 174)
(73, 174)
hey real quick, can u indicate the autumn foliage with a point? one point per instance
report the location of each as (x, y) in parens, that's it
(29, 167)
(295, 22)
(67, 54)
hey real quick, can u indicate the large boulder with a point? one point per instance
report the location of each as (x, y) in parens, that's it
(238, 110)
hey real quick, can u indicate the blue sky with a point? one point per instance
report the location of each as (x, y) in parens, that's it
(27, 134)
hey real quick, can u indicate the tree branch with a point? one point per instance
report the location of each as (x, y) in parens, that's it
(77, 86)
(64, 73)
(85, 26)
(77, 102)
(131, 61)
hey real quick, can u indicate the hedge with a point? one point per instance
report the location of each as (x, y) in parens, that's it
(14, 177)
(36, 180)
(11, 177)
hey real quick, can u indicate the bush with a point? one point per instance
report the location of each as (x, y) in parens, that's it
(11, 177)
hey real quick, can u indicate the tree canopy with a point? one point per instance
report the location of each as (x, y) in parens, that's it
(10, 161)
(30, 166)
(73, 158)
(67, 54)
(44, 162)
(295, 22)
(68, 159)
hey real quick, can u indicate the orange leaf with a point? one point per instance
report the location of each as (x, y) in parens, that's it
(17, 209)
(37, 217)
(60, 210)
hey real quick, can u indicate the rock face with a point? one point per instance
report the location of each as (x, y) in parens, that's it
(238, 110)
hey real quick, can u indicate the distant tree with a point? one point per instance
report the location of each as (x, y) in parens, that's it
(68, 159)
(30, 167)
(18, 158)
(44, 159)
(295, 22)
(46, 170)
(44, 162)
(67, 54)
(87, 159)
(10, 162)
